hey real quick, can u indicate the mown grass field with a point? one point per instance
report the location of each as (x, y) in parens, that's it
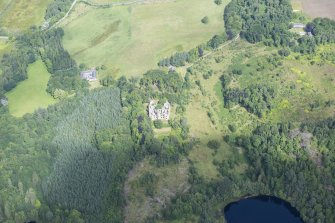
(30, 94)
(129, 40)
(21, 14)
(313, 8)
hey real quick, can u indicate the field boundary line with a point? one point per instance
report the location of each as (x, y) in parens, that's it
(107, 5)
(213, 51)
(220, 47)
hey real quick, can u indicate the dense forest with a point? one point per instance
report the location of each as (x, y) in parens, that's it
(269, 22)
(256, 99)
(259, 20)
(323, 29)
(14, 67)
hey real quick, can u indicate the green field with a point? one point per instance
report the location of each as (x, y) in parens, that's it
(131, 39)
(30, 94)
(21, 14)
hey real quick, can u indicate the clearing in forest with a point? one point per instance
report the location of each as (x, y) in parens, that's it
(131, 39)
(149, 188)
(31, 94)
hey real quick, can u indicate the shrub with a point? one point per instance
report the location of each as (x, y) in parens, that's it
(284, 52)
(232, 128)
(218, 2)
(213, 144)
(158, 124)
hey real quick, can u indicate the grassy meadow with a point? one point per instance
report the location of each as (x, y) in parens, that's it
(207, 117)
(21, 14)
(131, 39)
(31, 94)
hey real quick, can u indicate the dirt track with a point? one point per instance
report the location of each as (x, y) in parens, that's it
(319, 8)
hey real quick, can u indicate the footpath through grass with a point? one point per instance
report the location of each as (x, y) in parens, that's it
(31, 94)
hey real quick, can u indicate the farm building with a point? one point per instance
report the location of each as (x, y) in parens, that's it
(159, 113)
(90, 75)
(298, 25)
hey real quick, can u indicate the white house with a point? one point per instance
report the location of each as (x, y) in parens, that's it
(90, 75)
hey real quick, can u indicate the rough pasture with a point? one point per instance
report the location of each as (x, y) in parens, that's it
(21, 14)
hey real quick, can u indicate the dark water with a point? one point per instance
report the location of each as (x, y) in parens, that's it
(261, 209)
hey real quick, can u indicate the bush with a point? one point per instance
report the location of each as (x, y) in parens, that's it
(213, 144)
(232, 128)
(205, 20)
(218, 2)
(284, 52)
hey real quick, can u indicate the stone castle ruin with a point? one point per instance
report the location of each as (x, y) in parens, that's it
(162, 113)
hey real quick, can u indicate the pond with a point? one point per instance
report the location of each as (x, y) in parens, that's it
(261, 209)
